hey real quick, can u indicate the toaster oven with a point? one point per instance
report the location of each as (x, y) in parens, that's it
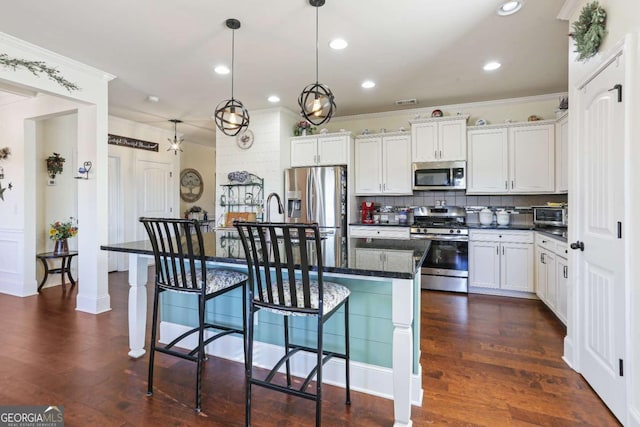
(556, 216)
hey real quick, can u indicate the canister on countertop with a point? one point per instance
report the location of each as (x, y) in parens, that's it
(486, 216)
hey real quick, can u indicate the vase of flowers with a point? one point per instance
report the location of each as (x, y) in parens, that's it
(55, 164)
(59, 232)
(303, 128)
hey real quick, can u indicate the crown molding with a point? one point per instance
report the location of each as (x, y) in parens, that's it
(470, 105)
(40, 53)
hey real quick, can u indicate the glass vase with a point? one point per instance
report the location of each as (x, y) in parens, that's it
(61, 247)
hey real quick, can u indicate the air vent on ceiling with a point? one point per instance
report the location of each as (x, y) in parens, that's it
(407, 101)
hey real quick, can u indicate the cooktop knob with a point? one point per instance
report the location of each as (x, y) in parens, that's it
(450, 231)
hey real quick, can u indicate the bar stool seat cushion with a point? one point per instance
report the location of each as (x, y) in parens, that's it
(334, 295)
(217, 279)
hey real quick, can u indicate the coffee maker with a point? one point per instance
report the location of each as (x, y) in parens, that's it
(367, 209)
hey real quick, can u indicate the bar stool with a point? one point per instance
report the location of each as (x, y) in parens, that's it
(180, 266)
(273, 285)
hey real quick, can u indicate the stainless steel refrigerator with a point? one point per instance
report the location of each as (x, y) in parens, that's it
(319, 194)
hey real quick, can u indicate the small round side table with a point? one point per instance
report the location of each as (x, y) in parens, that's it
(65, 266)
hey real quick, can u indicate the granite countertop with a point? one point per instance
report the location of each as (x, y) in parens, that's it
(224, 246)
(383, 224)
(500, 227)
(555, 233)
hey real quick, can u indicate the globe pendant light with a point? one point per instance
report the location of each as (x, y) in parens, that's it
(231, 117)
(316, 100)
(174, 144)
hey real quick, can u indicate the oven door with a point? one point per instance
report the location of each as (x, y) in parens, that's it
(446, 266)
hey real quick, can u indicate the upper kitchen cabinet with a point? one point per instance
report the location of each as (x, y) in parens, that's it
(562, 154)
(516, 158)
(383, 164)
(439, 139)
(321, 150)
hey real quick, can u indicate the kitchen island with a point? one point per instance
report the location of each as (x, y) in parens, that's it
(384, 315)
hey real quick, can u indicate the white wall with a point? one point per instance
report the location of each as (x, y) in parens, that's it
(60, 201)
(131, 230)
(267, 158)
(18, 232)
(202, 159)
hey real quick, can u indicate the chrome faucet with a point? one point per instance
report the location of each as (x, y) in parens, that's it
(268, 207)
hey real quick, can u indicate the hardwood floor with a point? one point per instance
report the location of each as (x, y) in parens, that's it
(487, 361)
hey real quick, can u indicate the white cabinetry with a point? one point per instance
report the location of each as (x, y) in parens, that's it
(379, 232)
(320, 150)
(501, 260)
(439, 139)
(552, 273)
(562, 154)
(516, 158)
(384, 259)
(383, 164)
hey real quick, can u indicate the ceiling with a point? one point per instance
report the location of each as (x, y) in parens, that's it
(431, 50)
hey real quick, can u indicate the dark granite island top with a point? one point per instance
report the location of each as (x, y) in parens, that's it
(224, 246)
(383, 277)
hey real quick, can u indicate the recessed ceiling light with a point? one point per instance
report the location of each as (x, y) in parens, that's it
(222, 69)
(491, 66)
(273, 98)
(153, 98)
(368, 84)
(338, 44)
(510, 7)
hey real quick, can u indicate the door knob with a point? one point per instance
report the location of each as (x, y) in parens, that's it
(577, 245)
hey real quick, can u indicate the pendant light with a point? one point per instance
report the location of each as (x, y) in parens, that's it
(231, 117)
(174, 144)
(316, 100)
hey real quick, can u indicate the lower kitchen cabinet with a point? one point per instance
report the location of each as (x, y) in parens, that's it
(384, 259)
(552, 273)
(380, 232)
(501, 260)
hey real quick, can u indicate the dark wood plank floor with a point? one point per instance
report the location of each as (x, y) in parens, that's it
(487, 361)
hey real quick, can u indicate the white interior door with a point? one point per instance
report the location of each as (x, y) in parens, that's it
(600, 196)
(115, 212)
(154, 192)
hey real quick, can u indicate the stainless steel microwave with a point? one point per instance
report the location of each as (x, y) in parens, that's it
(440, 175)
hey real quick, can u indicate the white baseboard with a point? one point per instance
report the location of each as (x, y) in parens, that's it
(634, 418)
(568, 356)
(365, 378)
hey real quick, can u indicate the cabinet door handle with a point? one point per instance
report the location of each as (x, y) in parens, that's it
(542, 256)
(503, 250)
(440, 153)
(318, 161)
(506, 186)
(497, 250)
(565, 272)
(512, 185)
(435, 154)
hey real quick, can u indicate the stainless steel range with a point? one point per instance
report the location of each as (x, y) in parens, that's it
(446, 265)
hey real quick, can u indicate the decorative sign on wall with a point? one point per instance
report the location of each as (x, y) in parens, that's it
(133, 143)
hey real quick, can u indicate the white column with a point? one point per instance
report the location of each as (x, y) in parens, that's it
(138, 275)
(402, 317)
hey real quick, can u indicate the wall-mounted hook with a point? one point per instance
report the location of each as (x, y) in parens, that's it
(83, 171)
